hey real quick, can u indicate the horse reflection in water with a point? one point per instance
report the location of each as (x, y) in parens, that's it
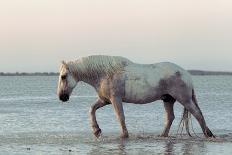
(117, 80)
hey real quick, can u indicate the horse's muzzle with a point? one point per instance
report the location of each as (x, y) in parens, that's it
(64, 97)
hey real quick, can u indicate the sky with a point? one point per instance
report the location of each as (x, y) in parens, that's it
(36, 35)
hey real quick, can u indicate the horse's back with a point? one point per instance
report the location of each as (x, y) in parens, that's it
(155, 72)
(171, 69)
(146, 82)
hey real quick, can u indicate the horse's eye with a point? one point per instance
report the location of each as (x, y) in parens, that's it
(63, 77)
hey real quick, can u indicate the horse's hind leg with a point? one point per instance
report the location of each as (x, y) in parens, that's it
(99, 103)
(169, 113)
(196, 112)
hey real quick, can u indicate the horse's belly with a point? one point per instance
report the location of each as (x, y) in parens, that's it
(139, 91)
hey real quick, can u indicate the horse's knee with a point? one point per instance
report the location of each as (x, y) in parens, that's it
(93, 109)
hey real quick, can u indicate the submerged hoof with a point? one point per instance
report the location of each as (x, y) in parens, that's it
(124, 135)
(97, 132)
(163, 135)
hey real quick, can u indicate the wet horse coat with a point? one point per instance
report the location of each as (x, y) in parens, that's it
(117, 80)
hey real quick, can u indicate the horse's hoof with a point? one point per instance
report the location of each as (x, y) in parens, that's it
(97, 132)
(124, 136)
(209, 134)
(163, 135)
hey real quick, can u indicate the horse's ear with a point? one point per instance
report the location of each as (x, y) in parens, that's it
(63, 63)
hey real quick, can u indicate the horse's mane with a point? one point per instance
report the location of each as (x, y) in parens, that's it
(96, 66)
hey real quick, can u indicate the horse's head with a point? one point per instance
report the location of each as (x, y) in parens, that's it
(66, 83)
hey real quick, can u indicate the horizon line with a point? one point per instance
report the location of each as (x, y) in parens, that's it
(192, 71)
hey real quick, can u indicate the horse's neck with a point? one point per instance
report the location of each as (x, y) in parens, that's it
(92, 82)
(85, 75)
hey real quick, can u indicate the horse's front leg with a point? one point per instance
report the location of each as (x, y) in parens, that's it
(118, 107)
(99, 103)
(169, 114)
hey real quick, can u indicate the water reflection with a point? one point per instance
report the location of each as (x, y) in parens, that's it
(106, 147)
(121, 146)
(193, 148)
(148, 146)
(168, 149)
(136, 144)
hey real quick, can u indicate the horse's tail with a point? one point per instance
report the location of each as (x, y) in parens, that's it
(185, 121)
(186, 115)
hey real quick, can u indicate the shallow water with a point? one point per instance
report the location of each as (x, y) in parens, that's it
(34, 121)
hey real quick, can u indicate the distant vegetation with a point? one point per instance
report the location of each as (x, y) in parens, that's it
(193, 72)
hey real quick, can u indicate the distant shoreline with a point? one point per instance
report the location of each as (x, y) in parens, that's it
(30, 74)
(193, 72)
(200, 72)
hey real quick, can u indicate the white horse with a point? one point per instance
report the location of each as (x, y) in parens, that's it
(117, 79)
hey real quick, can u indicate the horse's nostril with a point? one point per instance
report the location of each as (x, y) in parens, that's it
(64, 97)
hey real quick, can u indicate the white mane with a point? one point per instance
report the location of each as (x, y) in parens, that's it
(97, 65)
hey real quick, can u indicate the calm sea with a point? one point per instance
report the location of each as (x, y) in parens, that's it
(34, 121)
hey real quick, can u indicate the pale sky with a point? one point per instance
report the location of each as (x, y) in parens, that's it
(35, 35)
